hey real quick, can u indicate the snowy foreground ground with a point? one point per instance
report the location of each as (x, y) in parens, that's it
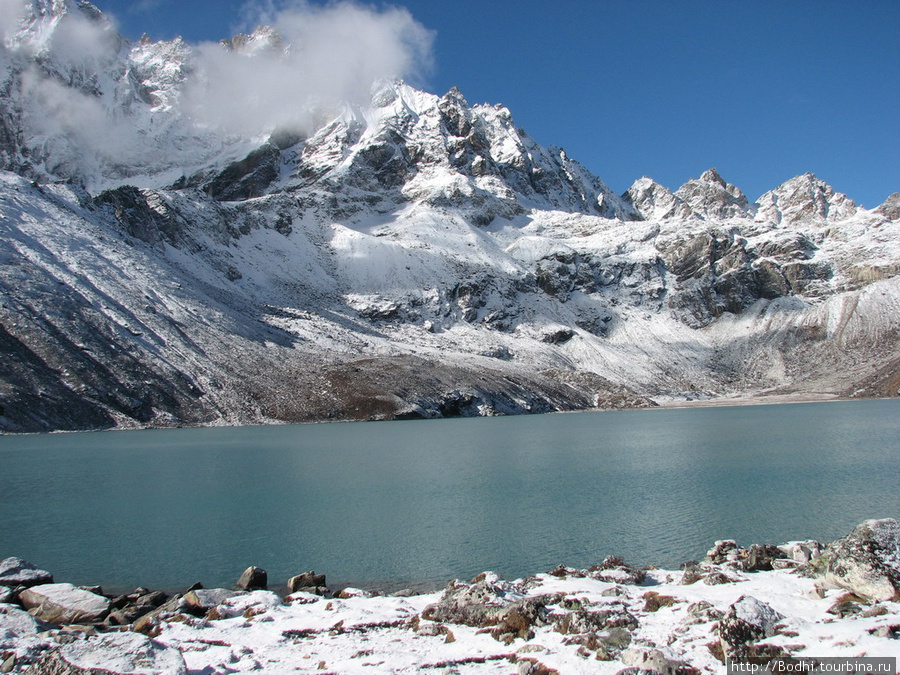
(602, 620)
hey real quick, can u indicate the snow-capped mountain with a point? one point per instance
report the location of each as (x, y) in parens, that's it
(408, 256)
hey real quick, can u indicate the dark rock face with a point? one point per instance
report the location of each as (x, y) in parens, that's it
(247, 178)
(132, 209)
(865, 562)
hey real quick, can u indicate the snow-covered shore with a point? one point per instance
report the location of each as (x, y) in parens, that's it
(792, 601)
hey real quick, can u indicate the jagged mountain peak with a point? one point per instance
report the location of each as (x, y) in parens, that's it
(890, 208)
(805, 198)
(40, 19)
(711, 196)
(654, 201)
(263, 39)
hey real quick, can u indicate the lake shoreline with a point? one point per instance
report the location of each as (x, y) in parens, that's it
(799, 600)
(661, 403)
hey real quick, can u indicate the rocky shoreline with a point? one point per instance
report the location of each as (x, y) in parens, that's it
(758, 603)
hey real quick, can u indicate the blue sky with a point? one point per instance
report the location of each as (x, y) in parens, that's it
(761, 90)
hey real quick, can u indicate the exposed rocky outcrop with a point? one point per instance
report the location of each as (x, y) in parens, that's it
(865, 562)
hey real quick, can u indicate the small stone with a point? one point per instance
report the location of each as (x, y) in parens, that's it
(845, 609)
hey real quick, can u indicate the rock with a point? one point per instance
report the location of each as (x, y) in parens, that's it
(653, 601)
(202, 600)
(253, 579)
(111, 654)
(843, 609)
(248, 605)
(865, 562)
(64, 604)
(760, 557)
(306, 582)
(347, 593)
(16, 623)
(651, 660)
(891, 632)
(691, 573)
(615, 570)
(746, 621)
(17, 572)
(592, 620)
(802, 551)
(611, 643)
(719, 577)
(7, 594)
(723, 552)
(702, 612)
(489, 601)
(126, 609)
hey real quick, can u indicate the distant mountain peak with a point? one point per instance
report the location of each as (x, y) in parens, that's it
(805, 198)
(711, 196)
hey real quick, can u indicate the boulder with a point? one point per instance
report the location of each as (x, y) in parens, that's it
(605, 617)
(7, 594)
(488, 601)
(307, 582)
(202, 600)
(253, 579)
(802, 551)
(64, 604)
(651, 660)
(723, 552)
(126, 609)
(615, 570)
(17, 572)
(17, 623)
(111, 654)
(745, 622)
(865, 562)
(760, 557)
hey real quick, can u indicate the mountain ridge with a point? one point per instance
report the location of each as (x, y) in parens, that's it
(413, 256)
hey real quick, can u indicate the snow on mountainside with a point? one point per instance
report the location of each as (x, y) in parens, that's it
(415, 256)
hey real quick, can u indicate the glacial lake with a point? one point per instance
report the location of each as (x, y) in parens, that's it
(394, 504)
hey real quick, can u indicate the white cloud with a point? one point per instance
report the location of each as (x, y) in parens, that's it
(336, 53)
(11, 14)
(326, 57)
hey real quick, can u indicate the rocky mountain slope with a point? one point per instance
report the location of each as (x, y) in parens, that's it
(416, 256)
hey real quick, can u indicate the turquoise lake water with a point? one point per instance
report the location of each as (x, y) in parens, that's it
(394, 504)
